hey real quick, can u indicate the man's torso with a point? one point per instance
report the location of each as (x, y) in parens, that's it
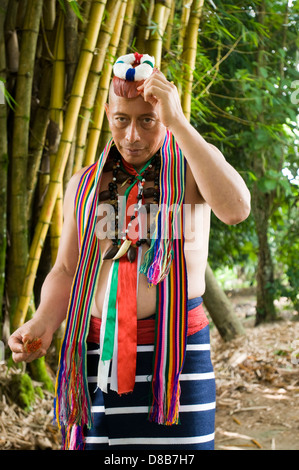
(196, 232)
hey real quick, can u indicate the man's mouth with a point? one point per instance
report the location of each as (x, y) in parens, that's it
(133, 150)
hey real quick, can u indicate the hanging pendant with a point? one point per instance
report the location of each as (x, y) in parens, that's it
(123, 249)
(111, 252)
(131, 253)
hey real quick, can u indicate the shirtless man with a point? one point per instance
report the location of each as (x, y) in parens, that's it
(138, 129)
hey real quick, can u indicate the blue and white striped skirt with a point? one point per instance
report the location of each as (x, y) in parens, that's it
(120, 422)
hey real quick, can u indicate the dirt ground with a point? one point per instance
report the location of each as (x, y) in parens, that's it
(257, 378)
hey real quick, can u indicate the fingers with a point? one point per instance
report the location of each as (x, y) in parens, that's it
(156, 87)
(27, 357)
(17, 343)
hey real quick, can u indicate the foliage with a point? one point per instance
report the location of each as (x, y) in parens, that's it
(244, 103)
(23, 391)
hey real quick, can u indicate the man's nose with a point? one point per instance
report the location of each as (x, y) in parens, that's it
(132, 133)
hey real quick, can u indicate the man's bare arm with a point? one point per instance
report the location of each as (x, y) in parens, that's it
(56, 289)
(219, 184)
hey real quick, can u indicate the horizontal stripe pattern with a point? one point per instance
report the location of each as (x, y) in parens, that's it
(156, 441)
(120, 422)
(148, 378)
(150, 348)
(144, 409)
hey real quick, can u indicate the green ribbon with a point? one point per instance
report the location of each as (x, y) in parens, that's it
(108, 346)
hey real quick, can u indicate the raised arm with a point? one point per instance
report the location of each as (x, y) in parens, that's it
(219, 184)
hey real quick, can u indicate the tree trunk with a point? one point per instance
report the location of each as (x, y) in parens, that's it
(265, 308)
(3, 157)
(261, 210)
(18, 226)
(220, 309)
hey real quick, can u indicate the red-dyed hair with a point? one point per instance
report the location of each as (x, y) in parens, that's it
(126, 88)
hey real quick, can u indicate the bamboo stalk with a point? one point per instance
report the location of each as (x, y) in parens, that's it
(161, 11)
(185, 15)
(56, 116)
(38, 134)
(102, 94)
(71, 46)
(105, 135)
(168, 37)
(12, 45)
(143, 25)
(189, 55)
(96, 14)
(38, 138)
(18, 252)
(82, 25)
(127, 28)
(49, 14)
(3, 157)
(93, 81)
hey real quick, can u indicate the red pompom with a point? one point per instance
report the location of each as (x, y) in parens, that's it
(138, 57)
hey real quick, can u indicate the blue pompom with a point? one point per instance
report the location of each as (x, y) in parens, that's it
(130, 75)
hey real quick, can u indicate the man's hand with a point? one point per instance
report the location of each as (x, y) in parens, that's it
(23, 336)
(163, 95)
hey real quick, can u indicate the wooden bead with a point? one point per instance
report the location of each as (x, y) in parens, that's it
(149, 192)
(104, 195)
(121, 177)
(150, 175)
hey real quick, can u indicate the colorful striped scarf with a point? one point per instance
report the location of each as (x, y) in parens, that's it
(165, 267)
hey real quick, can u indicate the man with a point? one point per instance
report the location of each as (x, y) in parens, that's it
(156, 159)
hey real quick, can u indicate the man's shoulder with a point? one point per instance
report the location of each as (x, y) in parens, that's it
(76, 177)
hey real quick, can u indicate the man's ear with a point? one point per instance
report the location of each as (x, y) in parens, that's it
(106, 106)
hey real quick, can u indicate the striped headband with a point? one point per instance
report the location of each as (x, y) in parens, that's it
(134, 67)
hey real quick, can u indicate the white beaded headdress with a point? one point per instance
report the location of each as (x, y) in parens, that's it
(125, 67)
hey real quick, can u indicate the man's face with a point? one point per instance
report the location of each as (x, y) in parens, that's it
(135, 127)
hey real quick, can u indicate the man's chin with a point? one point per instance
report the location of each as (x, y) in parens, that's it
(135, 157)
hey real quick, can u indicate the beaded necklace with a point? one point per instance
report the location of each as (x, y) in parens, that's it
(123, 241)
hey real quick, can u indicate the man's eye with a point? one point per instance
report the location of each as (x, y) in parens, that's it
(120, 121)
(148, 122)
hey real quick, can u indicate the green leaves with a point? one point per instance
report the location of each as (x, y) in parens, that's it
(252, 117)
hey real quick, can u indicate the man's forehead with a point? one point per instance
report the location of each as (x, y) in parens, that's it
(118, 104)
